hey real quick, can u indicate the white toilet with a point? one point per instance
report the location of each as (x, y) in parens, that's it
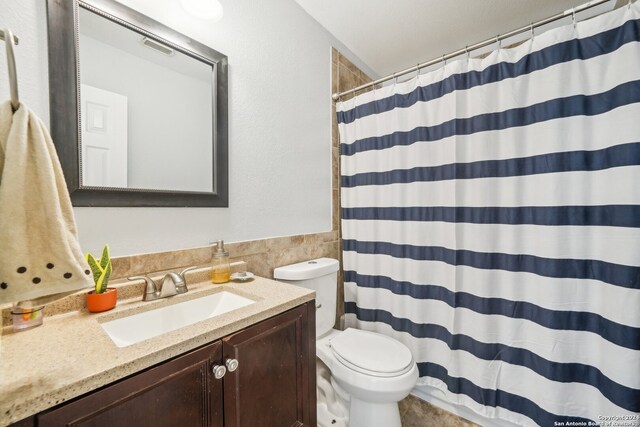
(370, 370)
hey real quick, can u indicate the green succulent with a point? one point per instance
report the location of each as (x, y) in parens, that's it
(101, 269)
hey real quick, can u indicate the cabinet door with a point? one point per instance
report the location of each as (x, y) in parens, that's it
(274, 385)
(181, 392)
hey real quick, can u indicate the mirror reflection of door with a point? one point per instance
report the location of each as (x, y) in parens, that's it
(104, 138)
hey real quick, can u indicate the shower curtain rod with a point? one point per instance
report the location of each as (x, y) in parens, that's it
(497, 39)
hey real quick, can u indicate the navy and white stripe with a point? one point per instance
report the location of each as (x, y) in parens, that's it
(491, 222)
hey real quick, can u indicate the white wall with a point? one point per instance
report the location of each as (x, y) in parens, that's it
(279, 118)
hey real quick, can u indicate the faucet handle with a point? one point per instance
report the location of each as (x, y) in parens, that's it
(181, 283)
(150, 286)
(182, 273)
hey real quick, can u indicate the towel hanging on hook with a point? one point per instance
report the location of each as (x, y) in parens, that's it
(9, 41)
(41, 258)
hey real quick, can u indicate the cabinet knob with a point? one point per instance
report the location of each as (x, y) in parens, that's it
(219, 371)
(232, 364)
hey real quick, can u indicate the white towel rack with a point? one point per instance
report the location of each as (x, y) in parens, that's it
(10, 40)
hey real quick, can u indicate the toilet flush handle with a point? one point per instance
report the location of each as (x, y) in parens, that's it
(318, 305)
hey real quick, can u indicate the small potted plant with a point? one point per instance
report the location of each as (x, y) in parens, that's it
(102, 298)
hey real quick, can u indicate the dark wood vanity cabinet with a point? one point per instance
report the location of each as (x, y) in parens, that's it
(273, 385)
(180, 392)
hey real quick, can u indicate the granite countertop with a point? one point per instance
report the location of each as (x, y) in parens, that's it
(70, 354)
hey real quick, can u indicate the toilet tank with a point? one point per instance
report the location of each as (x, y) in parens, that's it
(320, 275)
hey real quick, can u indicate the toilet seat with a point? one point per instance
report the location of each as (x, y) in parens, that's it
(371, 354)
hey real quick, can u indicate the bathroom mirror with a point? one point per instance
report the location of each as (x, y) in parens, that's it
(138, 110)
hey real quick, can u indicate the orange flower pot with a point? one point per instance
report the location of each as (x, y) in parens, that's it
(97, 303)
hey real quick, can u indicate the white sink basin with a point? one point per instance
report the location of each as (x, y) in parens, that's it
(139, 327)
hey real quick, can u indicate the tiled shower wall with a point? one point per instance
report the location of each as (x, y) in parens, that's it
(344, 76)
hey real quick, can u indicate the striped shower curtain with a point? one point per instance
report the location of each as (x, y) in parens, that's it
(491, 222)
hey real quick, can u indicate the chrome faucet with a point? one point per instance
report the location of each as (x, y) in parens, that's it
(172, 284)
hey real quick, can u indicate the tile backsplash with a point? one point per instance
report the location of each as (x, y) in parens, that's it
(261, 256)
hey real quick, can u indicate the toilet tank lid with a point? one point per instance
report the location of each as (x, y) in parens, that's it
(307, 269)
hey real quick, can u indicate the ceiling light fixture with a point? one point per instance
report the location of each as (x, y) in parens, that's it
(204, 9)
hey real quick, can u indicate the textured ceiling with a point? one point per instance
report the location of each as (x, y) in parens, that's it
(391, 35)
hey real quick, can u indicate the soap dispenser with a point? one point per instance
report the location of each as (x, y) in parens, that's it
(220, 266)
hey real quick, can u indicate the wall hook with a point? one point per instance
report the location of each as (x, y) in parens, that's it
(9, 41)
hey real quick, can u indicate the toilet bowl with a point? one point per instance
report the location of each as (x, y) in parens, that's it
(370, 371)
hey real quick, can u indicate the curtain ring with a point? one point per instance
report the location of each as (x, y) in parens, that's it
(444, 61)
(466, 50)
(417, 70)
(395, 79)
(499, 42)
(531, 29)
(573, 17)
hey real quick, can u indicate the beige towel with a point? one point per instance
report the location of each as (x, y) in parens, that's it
(40, 258)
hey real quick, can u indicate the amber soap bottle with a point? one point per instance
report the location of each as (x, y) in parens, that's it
(220, 266)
